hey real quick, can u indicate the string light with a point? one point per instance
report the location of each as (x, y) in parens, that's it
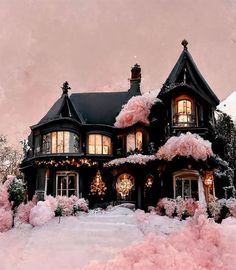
(71, 162)
(98, 187)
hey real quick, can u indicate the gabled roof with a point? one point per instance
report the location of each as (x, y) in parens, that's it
(185, 72)
(102, 107)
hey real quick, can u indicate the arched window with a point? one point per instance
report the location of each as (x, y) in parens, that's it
(134, 141)
(61, 142)
(184, 115)
(188, 184)
(99, 144)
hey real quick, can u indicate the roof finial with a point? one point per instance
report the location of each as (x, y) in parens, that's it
(65, 87)
(185, 43)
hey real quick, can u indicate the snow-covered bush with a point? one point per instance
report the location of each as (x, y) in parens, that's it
(187, 145)
(222, 208)
(6, 219)
(16, 191)
(177, 207)
(40, 214)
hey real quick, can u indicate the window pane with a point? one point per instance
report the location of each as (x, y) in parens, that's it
(107, 145)
(74, 143)
(60, 142)
(91, 149)
(54, 142)
(66, 141)
(47, 143)
(98, 144)
(139, 140)
(130, 142)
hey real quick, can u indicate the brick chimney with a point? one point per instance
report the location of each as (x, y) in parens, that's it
(135, 74)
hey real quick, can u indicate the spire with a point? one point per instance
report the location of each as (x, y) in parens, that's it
(65, 87)
(185, 43)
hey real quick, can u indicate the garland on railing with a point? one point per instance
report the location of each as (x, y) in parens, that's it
(71, 162)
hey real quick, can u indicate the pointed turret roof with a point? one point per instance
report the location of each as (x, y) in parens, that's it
(186, 73)
(63, 107)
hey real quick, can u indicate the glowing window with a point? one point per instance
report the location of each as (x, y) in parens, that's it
(184, 113)
(99, 144)
(61, 142)
(134, 141)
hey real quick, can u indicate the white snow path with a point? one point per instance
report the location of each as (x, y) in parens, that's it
(78, 239)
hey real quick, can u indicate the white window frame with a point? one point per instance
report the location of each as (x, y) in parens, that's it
(67, 173)
(191, 175)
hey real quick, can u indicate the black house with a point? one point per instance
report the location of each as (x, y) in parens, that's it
(71, 149)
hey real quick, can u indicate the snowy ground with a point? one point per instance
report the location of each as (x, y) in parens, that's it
(102, 236)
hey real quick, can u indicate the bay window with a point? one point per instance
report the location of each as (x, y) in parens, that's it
(61, 142)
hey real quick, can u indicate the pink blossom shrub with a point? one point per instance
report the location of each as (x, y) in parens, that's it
(6, 219)
(187, 145)
(40, 214)
(4, 202)
(177, 207)
(68, 205)
(136, 110)
(200, 245)
(23, 211)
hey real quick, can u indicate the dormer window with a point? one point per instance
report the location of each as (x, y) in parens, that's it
(184, 112)
(99, 144)
(61, 142)
(134, 141)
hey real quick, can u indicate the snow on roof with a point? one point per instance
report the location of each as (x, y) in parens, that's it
(188, 145)
(137, 109)
(134, 159)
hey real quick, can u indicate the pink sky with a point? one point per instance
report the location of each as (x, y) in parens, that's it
(93, 44)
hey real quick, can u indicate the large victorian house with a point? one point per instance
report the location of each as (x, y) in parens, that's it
(72, 147)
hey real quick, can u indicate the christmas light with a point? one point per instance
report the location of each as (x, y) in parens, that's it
(124, 185)
(71, 162)
(98, 187)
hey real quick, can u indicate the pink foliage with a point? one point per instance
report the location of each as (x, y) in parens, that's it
(198, 246)
(6, 220)
(177, 207)
(40, 214)
(4, 202)
(23, 211)
(136, 110)
(51, 202)
(187, 145)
